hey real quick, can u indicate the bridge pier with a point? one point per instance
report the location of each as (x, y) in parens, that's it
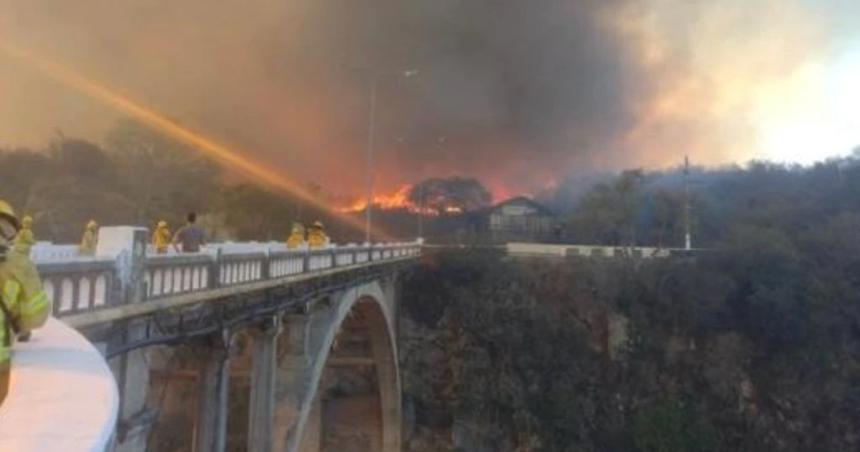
(261, 416)
(210, 432)
(135, 418)
(292, 382)
(126, 246)
(312, 438)
(388, 382)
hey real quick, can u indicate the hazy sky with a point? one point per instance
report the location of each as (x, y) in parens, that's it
(519, 93)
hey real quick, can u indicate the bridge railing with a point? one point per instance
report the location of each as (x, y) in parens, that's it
(592, 251)
(79, 284)
(174, 274)
(240, 268)
(47, 251)
(286, 263)
(83, 284)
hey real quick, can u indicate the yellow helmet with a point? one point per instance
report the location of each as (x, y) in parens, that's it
(27, 221)
(162, 224)
(318, 224)
(6, 211)
(92, 224)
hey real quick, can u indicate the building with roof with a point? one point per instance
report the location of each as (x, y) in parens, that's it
(521, 219)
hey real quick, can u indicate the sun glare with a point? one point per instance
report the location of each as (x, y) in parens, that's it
(816, 118)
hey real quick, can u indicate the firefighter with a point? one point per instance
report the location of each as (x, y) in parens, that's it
(90, 239)
(25, 239)
(297, 237)
(24, 306)
(161, 237)
(316, 235)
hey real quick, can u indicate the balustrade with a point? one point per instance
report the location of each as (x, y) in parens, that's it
(174, 274)
(79, 285)
(84, 283)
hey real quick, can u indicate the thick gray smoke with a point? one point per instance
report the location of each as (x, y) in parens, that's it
(518, 93)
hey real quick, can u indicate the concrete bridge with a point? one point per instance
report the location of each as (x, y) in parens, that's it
(289, 350)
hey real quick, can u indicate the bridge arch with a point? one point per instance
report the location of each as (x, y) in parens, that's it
(374, 308)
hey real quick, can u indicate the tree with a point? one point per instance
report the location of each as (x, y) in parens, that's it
(164, 178)
(75, 181)
(670, 426)
(254, 213)
(22, 170)
(607, 214)
(450, 195)
(668, 216)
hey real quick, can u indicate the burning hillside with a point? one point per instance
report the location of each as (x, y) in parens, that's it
(396, 200)
(435, 196)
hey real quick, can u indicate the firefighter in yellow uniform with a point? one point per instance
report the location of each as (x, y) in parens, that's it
(161, 237)
(316, 235)
(297, 236)
(24, 306)
(25, 239)
(90, 238)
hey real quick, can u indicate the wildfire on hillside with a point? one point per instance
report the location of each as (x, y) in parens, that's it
(398, 200)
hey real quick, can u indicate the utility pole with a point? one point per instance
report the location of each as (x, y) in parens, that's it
(371, 126)
(687, 237)
(420, 210)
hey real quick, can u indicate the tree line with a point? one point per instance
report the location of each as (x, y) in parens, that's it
(753, 345)
(647, 208)
(138, 177)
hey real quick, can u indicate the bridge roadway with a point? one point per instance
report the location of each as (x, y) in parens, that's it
(284, 324)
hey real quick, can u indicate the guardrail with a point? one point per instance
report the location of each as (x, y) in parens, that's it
(173, 274)
(557, 250)
(79, 285)
(47, 251)
(85, 283)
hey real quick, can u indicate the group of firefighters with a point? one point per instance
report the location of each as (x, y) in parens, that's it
(24, 305)
(162, 239)
(316, 237)
(25, 239)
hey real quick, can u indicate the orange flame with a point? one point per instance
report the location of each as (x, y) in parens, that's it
(397, 200)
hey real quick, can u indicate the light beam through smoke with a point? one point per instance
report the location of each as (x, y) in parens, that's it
(229, 158)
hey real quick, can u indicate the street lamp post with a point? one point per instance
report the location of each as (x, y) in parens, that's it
(371, 132)
(371, 129)
(420, 210)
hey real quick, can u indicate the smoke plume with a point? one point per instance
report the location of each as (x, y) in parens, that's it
(517, 93)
